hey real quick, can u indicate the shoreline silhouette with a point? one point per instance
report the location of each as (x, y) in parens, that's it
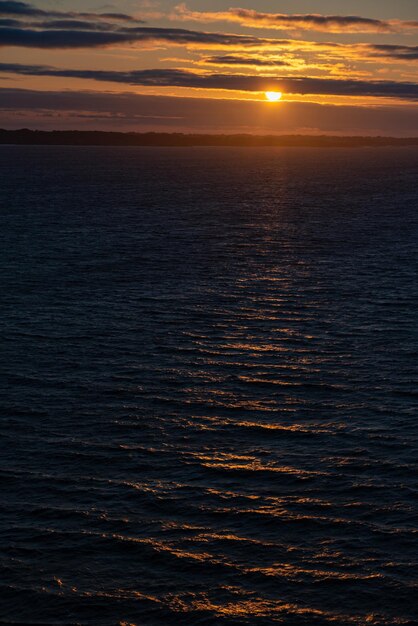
(105, 138)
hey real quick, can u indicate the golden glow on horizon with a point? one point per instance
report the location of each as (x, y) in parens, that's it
(321, 61)
(273, 96)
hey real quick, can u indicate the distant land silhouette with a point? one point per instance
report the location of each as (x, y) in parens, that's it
(101, 138)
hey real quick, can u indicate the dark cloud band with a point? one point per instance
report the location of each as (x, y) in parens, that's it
(404, 53)
(30, 38)
(235, 82)
(23, 9)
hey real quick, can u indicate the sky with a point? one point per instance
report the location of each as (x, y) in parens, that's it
(345, 67)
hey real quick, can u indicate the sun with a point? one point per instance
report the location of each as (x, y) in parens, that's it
(273, 96)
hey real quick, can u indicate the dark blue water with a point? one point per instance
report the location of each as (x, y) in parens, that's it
(209, 386)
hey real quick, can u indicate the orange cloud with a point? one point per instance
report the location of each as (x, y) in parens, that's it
(284, 21)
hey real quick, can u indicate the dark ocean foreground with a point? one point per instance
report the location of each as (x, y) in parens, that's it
(209, 386)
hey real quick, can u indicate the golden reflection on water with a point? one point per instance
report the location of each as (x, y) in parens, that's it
(256, 466)
(232, 462)
(275, 610)
(241, 608)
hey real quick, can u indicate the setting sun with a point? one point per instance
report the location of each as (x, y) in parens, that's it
(273, 96)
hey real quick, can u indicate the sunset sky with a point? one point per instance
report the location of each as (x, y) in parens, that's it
(346, 67)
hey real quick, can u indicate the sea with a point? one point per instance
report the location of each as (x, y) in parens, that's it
(209, 399)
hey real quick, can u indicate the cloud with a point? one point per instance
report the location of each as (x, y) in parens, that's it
(23, 9)
(76, 33)
(59, 38)
(30, 38)
(244, 17)
(132, 112)
(19, 8)
(235, 82)
(51, 29)
(115, 16)
(10, 23)
(73, 34)
(284, 21)
(232, 59)
(345, 51)
(403, 53)
(72, 24)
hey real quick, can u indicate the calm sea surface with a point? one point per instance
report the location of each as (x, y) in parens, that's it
(208, 386)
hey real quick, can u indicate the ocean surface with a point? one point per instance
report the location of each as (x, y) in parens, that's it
(209, 365)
